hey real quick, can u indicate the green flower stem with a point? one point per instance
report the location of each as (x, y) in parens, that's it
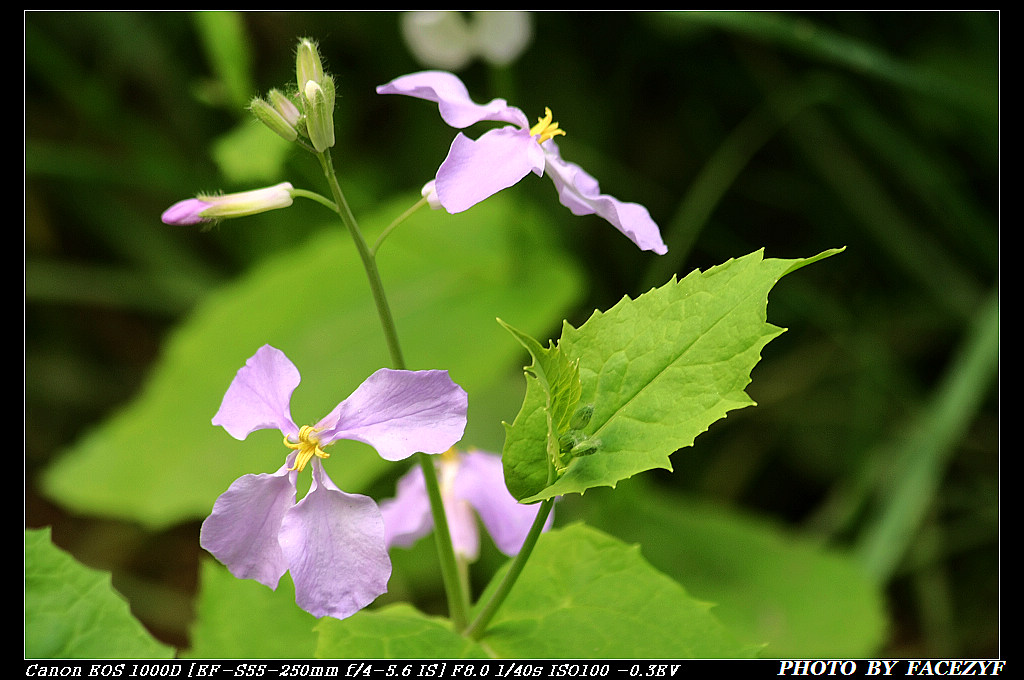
(312, 195)
(398, 220)
(454, 589)
(369, 262)
(479, 626)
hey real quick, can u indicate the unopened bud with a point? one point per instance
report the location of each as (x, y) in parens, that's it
(429, 192)
(586, 447)
(581, 417)
(307, 64)
(285, 106)
(209, 208)
(272, 118)
(320, 114)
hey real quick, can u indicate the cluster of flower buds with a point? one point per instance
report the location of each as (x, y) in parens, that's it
(574, 442)
(311, 112)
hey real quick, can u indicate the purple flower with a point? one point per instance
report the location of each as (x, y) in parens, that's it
(206, 208)
(332, 542)
(469, 481)
(502, 156)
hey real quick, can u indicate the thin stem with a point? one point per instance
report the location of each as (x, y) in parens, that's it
(369, 263)
(312, 195)
(451, 575)
(398, 220)
(479, 625)
(454, 589)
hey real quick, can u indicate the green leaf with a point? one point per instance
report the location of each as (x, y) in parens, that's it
(250, 154)
(160, 461)
(659, 370)
(243, 619)
(584, 595)
(73, 612)
(398, 631)
(771, 586)
(554, 381)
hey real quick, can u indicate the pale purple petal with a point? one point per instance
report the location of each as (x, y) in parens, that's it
(453, 100)
(481, 482)
(185, 213)
(475, 170)
(399, 413)
(462, 528)
(580, 192)
(258, 398)
(242, 530)
(334, 544)
(407, 516)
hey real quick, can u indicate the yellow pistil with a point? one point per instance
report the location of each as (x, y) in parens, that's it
(307, 446)
(545, 128)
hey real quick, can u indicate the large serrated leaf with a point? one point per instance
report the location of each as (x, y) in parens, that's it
(659, 370)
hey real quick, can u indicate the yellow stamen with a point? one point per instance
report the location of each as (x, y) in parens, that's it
(545, 128)
(307, 446)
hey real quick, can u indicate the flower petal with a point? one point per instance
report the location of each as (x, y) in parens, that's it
(259, 396)
(580, 192)
(407, 516)
(452, 98)
(481, 482)
(185, 213)
(334, 544)
(242, 531)
(475, 170)
(399, 413)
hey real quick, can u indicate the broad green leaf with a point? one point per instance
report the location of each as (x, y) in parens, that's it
(160, 461)
(73, 612)
(660, 369)
(250, 154)
(398, 631)
(243, 619)
(584, 594)
(771, 586)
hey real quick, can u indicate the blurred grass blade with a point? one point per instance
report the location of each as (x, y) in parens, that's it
(799, 34)
(923, 456)
(226, 44)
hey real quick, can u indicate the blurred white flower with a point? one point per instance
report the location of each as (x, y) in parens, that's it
(451, 40)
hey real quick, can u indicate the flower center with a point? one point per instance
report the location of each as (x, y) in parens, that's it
(545, 128)
(307, 446)
(449, 464)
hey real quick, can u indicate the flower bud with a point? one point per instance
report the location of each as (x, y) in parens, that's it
(320, 113)
(429, 192)
(307, 64)
(285, 106)
(273, 119)
(586, 447)
(581, 417)
(208, 208)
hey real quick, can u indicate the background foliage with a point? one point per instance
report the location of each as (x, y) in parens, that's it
(876, 430)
